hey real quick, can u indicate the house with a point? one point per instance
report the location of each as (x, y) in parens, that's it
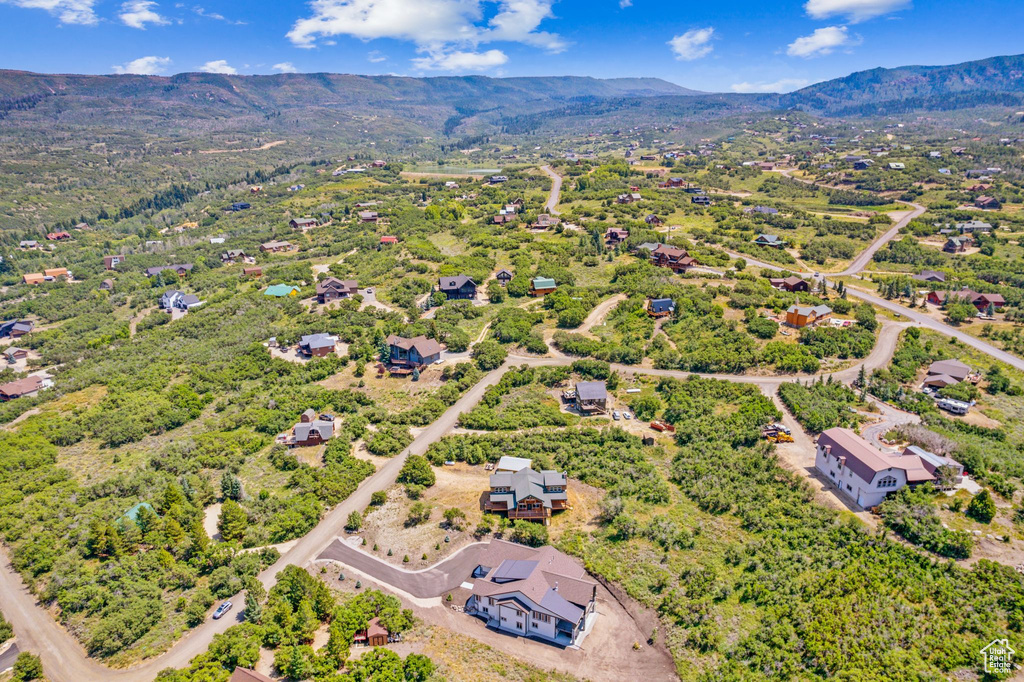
(528, 494)
(333, 289)
(974, 226)
(13, 354)
(306, 434)
(956, 244)
(15, 328)
(615, 236)
(252, 272)
(536, 592)
(302, 223)
(107, 285)
(804, 316)
(375, 634)
(863, 164)
(389, 240)
(939, 381)
(791, 283)
(763, 210)
(282, 290)
(653, 220)
(978, 300)
(246, 675)
(861, 472)
(498, 179)
(674, 182)
(987, 203)
(591, 397)
(177, 300)
(540, 286)
(897, 166)
(953, 369)
(769, 240)
(701, 200)
(930, 276)
(660, 307)
(629, 198)
(229, 257)
(410, 354)
(240, 206)
(27, 387)
(308, 417)
(503, 276)
(457, 287)
(509, 464)
(368, 216)
(379, 163)
(180, 269)
(54, 273)
(504, 218)
(649, 247)
(28, 244)
(58, 236)
(673, 258)
(317, 345)
(275, 246)
(545, 221)
(111, 262)
(33, 278)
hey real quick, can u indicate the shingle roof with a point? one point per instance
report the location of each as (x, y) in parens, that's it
(953, 368)
(528, 483)
(592, 390)
(302, 431)
(866, 461)
(424, 346)
(315, 341)
(454, 283)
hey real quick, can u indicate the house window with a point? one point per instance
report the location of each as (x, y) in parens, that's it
(503, 619)
(849, 487)
(832, 474)
(541, 617)
(887, 482)
(490, 601)
(519, 626)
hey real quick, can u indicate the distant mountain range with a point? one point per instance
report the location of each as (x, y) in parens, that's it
(471, 105)
(997, 80)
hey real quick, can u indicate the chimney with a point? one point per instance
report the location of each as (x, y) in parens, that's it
(555, 588)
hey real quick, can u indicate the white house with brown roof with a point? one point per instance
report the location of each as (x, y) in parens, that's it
(863, 473)
(534, 592)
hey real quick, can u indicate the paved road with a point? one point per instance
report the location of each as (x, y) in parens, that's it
(435, 581)
(64, 660)
(556, 190)
(865, 256)
(8, 657)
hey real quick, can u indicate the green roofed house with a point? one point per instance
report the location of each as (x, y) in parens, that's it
(542, 285)
(281, 290)
(133, 513)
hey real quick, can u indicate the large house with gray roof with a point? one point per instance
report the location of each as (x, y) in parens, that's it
(533, 592)
(528, 494)
(310, 433)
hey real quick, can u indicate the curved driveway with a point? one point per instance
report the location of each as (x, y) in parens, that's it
(556, 190)
(435, 581)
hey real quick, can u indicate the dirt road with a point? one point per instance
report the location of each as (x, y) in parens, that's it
(598, 314)
(865, 256)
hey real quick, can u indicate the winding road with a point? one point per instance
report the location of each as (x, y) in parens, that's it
(65, 660)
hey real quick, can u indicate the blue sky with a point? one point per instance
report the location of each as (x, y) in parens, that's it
(729, 45)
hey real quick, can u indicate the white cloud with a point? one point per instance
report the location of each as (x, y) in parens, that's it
(144, 66)
(214, 15)
(854, 10)
(823, 41)
(693, 44)
(285, 67)
(461, 61)
(623, 4)
(68, 11)
(781, 85)
(448, 32)
(376, 56)
(218, 66)
(138, 13)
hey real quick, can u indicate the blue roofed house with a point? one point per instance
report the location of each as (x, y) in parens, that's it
(661, 307)
(281, 290)
(534, 592)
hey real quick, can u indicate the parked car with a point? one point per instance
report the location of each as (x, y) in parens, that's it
(221, 610)
(627, 415)
(616, 416)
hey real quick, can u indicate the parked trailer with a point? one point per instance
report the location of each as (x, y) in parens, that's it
(954, 406)
(663, 426)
